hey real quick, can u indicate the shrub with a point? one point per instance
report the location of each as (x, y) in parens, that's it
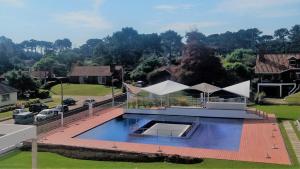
(19, 105)
(258, 98)
(43, 94)
(182, 102)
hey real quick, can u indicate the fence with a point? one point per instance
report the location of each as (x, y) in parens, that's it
(78, 113)
(164, 101)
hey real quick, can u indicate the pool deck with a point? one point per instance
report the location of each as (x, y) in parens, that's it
(261, 141)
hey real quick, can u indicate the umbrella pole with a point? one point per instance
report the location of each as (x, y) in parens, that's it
(127, 95)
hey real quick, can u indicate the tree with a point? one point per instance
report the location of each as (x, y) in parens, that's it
(151, 43)
(244, 56)
(62, 44)
(21, 81)
(239, 64)
(171, 44)
(199, 65)
(123, 47)
(195, 36)
(237, 71)
(294, 36)
(146, 66)
(87, 49)
(281, 35)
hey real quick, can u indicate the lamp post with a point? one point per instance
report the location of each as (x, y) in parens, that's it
(61, 92)
(62, 103)
(112, 92)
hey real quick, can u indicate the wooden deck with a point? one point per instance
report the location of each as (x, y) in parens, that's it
(261, 141)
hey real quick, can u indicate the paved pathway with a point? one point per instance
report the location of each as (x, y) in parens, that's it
(293, 138)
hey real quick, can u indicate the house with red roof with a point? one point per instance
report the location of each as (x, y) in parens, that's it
(95, 74)
(278, 74)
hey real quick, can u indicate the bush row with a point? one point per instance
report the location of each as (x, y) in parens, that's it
(19, 105)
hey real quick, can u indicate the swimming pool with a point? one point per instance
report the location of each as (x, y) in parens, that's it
(196, 132)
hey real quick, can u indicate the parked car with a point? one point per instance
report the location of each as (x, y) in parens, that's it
(24, 118)
(87, 101)
(17, 111)
(139, 84)
(69, 101)
(62, 108)
(46, 114)
(37, 107)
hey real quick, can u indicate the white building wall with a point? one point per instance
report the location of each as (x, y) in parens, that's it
(12, 99)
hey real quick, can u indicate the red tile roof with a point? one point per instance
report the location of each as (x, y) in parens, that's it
(92, 70)
(274, 63)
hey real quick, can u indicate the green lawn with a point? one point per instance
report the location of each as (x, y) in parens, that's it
(82, 89)
(282, 112)
(293, 99)
(21, 160)
(5, 115)
(55, 101)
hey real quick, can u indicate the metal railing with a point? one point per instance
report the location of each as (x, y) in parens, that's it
(118, 100)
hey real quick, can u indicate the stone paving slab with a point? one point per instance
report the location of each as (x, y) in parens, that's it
(293, 138)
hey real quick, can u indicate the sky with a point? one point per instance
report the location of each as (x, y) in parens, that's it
(80, 20)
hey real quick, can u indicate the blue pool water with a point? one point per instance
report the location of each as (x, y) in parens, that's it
(211, 133)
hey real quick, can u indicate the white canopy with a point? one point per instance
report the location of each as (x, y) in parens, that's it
(165, 88)
(206, 88)
(242, 89)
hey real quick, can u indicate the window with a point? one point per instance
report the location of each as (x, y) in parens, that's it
(292, 62)
(101, 79)
(5, 97)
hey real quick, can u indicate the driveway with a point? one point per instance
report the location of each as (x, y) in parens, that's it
(81, 99)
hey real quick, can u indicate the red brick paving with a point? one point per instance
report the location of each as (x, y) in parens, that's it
(258, 144)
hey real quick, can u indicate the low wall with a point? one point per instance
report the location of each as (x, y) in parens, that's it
(226, 105)
(111, 155)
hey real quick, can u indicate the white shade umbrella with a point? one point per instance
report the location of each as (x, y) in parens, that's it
(242, 89)
(165, 88)
(205, 87)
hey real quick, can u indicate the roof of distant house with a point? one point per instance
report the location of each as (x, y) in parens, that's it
(6, 89)
(39, 74)
(274, 63)
(92, 70)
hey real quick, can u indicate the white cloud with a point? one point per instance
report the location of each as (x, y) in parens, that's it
(84, 19)
(171, 7)
(259, 8)
(13, 3)
(248, 5)
(187, 26)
